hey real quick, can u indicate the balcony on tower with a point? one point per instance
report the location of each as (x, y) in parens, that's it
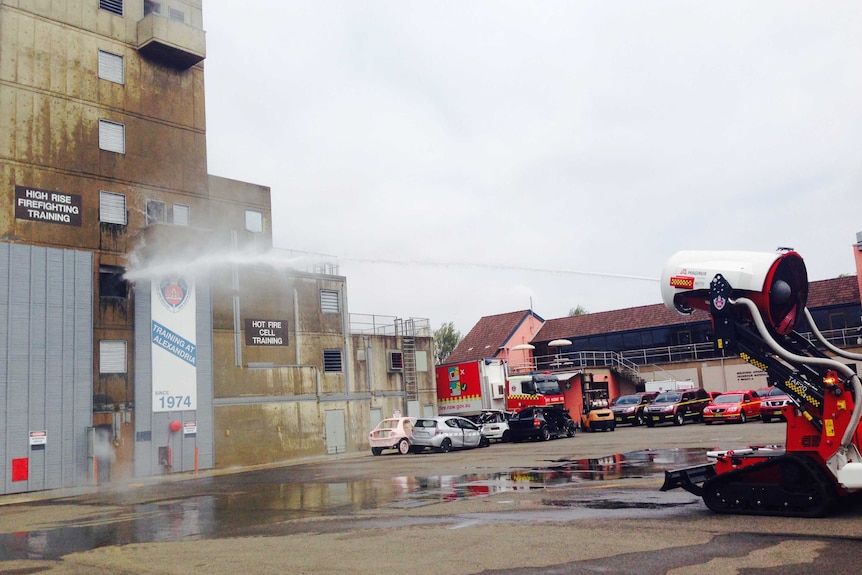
(172, 33)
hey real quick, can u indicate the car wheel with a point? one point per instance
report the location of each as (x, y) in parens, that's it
(484, 441)
(507, 436)
(545, 433)
(765, 418)
(446, 446)
(403, 447)
(742, 418)
(376, 450)
(678, 418)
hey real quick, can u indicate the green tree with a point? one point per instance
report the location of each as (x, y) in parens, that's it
(578, 311)
(445, 340)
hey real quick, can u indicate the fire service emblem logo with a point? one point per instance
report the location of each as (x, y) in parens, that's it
(719, 302)
(174, 293)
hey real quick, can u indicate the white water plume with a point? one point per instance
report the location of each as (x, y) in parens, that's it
(161, 266)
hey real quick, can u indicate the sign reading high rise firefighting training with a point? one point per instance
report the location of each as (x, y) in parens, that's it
(173, 345)
(47, 206)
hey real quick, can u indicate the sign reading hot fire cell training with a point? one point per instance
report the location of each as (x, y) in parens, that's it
(265, 331)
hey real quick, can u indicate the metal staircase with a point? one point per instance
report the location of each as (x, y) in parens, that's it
(407, 330)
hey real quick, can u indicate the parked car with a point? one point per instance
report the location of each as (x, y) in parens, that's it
(772, 402)
(630, 408)
(676, 406)
(739, 405)
(541, 423)
(494, 424)
(445, 433)
(392, 433)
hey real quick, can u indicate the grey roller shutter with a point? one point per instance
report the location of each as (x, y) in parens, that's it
(111, 67)
(112, 357)
(112, 136)
(112, 208)
(181, 215)
(253, 221)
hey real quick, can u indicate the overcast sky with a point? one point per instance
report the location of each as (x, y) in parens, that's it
(470, 158)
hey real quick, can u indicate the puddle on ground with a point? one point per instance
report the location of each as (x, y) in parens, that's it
(234, 505)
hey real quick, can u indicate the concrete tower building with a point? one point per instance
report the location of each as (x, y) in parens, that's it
(116, 363)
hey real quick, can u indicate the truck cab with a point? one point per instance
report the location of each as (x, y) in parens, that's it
(533, 389)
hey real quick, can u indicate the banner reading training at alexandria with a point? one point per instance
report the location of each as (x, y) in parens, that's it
(173, 345)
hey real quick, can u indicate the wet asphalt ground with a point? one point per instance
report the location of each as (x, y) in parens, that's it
(588, 504)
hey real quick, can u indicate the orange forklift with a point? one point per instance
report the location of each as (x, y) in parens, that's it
(596, 413)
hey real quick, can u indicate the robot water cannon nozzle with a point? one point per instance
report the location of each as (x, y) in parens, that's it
(777, 282)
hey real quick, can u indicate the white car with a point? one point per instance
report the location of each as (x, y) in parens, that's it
(494, 424)
(392, 433)
(445, 433)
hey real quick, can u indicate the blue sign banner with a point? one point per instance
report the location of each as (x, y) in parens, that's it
(174, 343)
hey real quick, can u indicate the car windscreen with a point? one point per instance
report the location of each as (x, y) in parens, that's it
(628, 400)
(547, 386)
(728, 398)
(667, 398)
(425, 423)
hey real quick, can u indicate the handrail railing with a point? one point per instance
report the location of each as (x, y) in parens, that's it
(844, 338)
(369, 324)
(632, 360)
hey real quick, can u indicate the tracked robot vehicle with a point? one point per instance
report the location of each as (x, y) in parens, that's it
(756, 300)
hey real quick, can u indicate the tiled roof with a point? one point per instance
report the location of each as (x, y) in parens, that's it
(490, 334)
(823, 293)
(837, 291)
(616, 320)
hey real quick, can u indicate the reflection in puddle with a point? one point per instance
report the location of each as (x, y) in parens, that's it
(252, 501)
(634, 464)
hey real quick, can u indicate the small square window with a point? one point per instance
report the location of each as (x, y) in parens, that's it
(151, 7)
(112, 283)
(253, 221)
(111, 67)
(329, 301)
(332, 360)
(156, 212)
(112, 6)
(396, 360)
(177, 15)
(181, 215)
(112, 356)
(112, 136)
(112, 208)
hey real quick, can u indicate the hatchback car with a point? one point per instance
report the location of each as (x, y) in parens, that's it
(772, 403)
(676, 406)
(542, 423)
(630, 408)
(392, 433)
(494, 424)
(738, 406)
(445, 433)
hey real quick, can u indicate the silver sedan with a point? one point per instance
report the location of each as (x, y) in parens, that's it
(445, 433)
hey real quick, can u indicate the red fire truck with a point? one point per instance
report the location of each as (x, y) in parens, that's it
(470, 387)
